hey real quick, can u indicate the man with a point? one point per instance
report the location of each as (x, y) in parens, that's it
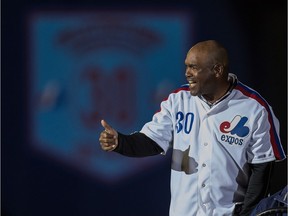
(224, 137)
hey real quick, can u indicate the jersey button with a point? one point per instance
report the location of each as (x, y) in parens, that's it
(203, 185)
(203, 165)
(205, 144)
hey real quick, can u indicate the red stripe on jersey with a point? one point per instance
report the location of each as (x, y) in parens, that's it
(182, 88)
(274, 139)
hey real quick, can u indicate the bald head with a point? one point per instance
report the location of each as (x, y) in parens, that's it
(207, 70)
(213, 53)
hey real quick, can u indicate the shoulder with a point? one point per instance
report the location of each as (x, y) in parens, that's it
(179, 93)
(183, 89)
(251, 94)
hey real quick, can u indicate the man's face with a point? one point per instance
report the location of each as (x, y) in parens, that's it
(200, 74)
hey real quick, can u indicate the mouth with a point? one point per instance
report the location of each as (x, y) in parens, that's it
(192, 83)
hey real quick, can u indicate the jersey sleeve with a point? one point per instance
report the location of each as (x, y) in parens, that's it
(265, 142)
(160, 128)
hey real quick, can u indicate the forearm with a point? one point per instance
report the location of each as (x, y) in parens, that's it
(137, 145)
(258, 186)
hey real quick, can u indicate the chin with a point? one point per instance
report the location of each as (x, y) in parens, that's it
(193, 93)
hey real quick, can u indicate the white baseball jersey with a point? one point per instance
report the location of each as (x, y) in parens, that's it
(212, 146)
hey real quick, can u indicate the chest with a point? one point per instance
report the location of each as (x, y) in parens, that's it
(229, 123)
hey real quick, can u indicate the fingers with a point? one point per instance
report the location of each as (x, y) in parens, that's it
(108, 147)
(108, 138)
(107, 127)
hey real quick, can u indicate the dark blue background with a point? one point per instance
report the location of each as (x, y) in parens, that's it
(254, 31)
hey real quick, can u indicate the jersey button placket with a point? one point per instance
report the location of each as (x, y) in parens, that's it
(204, 164)
(204, 185)
(205, 157)
(204, 174)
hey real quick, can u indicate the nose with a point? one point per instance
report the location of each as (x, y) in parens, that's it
(187, 72)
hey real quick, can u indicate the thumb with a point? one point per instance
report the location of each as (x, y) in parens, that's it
(107, 127)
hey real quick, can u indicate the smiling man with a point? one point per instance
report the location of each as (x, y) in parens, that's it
(223, 134)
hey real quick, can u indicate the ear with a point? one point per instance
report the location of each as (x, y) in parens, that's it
(218, 69)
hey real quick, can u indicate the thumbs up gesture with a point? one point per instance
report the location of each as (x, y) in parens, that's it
(108, 138)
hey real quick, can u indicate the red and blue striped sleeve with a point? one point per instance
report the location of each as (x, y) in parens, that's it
(274, 137)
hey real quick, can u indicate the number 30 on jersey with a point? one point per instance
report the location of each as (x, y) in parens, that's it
(184, 122)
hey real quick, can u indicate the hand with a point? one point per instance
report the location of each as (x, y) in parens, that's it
(108, 138)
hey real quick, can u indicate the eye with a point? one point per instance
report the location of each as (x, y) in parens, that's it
(192, 67)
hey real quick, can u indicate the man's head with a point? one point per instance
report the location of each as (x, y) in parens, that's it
(207, 70)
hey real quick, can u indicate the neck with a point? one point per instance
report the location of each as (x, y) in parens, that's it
(222, 92)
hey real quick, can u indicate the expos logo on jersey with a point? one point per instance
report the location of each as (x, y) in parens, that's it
(234, 131)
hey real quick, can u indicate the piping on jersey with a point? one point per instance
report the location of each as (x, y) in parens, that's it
(276, 144)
